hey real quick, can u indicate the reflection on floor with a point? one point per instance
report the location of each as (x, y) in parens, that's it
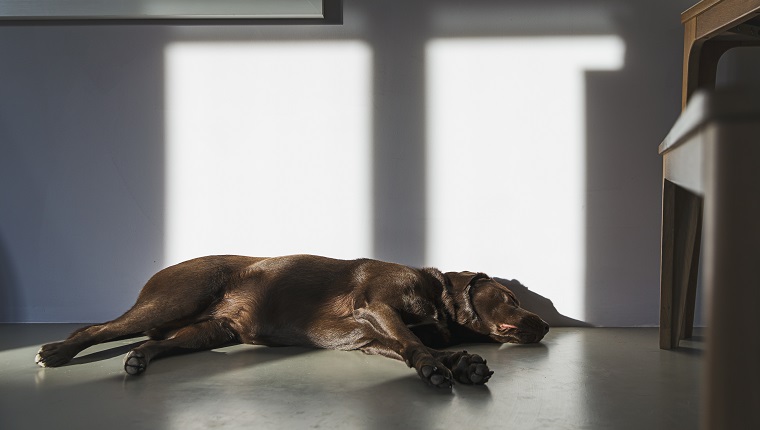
(590, 378)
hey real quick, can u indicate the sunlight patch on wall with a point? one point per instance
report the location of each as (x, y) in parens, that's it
(267, 149)
(506, 158)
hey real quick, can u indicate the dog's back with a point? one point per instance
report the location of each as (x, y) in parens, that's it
(303, 300)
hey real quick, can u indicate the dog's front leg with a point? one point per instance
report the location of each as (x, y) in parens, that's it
(467, 368)
(394, 339)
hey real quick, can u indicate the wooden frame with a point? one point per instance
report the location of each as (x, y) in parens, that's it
(709, 179)
(712, 27)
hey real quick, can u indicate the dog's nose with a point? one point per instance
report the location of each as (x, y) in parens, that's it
(546, 328)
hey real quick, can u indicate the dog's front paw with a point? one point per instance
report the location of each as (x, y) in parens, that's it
(436, 374)
(54, 355)
(135, 362)
(471, 369)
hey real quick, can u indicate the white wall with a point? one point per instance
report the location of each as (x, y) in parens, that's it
(127, 148)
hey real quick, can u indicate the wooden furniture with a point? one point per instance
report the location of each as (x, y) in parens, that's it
(711, 161)
(712, 155)
(711, 27)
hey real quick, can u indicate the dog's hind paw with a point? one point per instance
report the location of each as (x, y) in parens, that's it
(135, 362)
(471, 369)
(53, 355)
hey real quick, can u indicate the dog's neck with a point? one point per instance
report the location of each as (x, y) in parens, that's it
(458, 309)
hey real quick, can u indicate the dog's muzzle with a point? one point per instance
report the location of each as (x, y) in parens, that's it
(529, 330)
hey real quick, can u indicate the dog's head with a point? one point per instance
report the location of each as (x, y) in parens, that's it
(490, 308)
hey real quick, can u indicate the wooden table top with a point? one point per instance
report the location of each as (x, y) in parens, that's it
(715, 17)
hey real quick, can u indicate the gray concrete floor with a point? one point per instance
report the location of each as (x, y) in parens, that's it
(578, 378)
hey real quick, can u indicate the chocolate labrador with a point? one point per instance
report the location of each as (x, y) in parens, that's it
(305, 300)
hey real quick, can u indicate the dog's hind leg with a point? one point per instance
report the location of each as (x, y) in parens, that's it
(59, 353)
(148, 316)
(170, 300)
(195, 337)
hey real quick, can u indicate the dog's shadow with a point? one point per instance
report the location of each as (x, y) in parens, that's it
(234, 356)
(540, 305)
(105, 354)
(219, 360)
(404, 395)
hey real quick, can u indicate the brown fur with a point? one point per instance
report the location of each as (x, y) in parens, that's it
(368, 305)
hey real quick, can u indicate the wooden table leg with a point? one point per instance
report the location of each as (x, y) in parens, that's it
(681, 237)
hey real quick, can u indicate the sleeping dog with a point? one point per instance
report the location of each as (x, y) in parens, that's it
(304, 300)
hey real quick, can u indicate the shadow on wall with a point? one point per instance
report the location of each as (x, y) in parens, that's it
(10, 300)
(112, 173)
(540, 305)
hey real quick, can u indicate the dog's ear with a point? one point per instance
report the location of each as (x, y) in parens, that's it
(461, 281)
(459, 285)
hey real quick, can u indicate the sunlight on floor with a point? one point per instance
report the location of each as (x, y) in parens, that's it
(506, 158)
(268, 148)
